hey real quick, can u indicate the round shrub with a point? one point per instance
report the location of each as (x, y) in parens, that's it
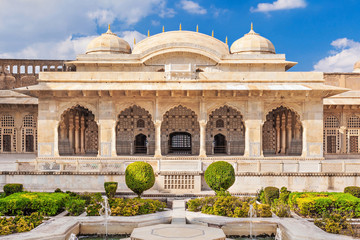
(139, 177)
(12, 188)
(271, 193)
(110, 189)
(220, 176)
(353, 190)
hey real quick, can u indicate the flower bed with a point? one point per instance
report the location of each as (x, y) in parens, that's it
(228, 206)
(26, 203)
(128, 207)
(19, 224)
(316, 204)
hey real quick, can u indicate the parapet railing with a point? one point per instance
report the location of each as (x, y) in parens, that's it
(190, 166)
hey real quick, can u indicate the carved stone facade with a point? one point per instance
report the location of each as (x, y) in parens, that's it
(181, 100)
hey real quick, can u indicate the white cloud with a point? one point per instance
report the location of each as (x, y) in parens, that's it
(67, 48)
(27, 27)
(192, 7)
(102, 17)
(342, 59)
(279, 5)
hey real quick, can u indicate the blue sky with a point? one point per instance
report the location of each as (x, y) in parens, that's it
(321, 35)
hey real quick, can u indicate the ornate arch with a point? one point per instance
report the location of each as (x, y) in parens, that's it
(171, 106)
(233, 129)
(296, 109)
(68, 106)
(127, 130)
(216, 106)
(282, 132)
(182, 120)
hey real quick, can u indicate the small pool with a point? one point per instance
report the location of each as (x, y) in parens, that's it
(102, 237)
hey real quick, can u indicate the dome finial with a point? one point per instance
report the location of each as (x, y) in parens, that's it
(163, 29)
(109, 27)
(226, 40)
(180, 27)
(212, 33)
(252, 27)
(134, 40)
(197, 28)
(148, 33)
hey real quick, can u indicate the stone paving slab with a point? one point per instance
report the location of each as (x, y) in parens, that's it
(177, 232)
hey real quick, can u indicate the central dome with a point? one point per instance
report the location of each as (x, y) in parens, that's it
(108, 43)
(252, 43)
(181, 41)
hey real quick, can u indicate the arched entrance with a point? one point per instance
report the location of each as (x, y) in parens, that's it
(225, 132)
(140, 144)
(78, 132)
(219, 144)
(180, 132)
(29, 134)
(282, 133)
(180, 143)
(135, 132)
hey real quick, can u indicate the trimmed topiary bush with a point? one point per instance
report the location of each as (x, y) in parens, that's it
(353, 190)
(139, 177)
(220, 176)
(110, 189)
(271, 193)
(12, 188)
(284, 195)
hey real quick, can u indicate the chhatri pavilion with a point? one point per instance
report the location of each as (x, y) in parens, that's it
(181, 100)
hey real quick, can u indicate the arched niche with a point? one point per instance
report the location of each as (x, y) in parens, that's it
(228, 122)
(282, 133)
(78, 132)
(180, 124)
(135, 132)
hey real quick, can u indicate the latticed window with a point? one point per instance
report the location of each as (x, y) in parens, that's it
(331, 135)
(29, 121)
(331, 122)
(220, 123)
(353, 122)
(140, 123)
(7, 121)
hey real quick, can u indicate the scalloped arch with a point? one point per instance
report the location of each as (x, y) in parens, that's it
(69, 106)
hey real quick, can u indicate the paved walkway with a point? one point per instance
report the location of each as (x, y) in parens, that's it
(179, 214)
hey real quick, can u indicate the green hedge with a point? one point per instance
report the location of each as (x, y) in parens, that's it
(220, 176)
(316, 204)
(12, 188)
(229, 206)
(75, 206)
(26, 203)
(128, 207)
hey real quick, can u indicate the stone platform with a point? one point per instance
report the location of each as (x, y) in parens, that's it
(177, 232)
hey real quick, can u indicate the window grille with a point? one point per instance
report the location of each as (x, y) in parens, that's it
(7, 121)
(220, 123)
(353, 122)
(179, 182)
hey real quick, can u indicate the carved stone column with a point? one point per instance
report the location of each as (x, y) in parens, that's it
(157, 138)
(202, 152)
(283, 133)
(71, 130)
(77, 128)
(82, 133)
(289, 130)
(278, 136)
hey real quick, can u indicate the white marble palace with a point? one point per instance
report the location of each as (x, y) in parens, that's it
(179, 100)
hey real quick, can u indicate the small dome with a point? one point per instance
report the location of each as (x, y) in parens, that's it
(357, 67)
(252, 43)
(108, 43)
